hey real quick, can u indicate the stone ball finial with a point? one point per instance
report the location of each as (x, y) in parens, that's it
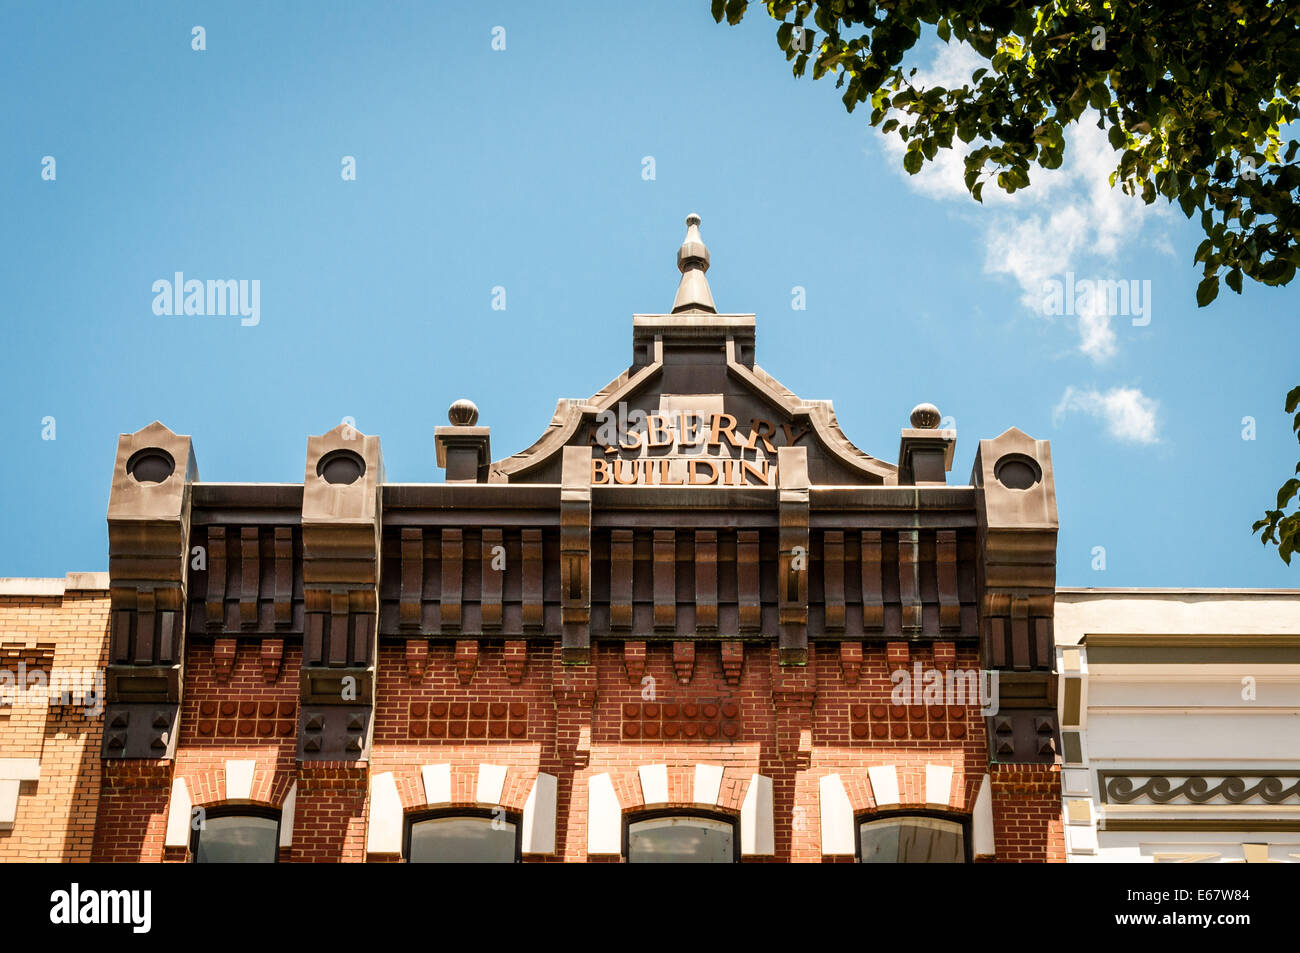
(925, 417)
(463, 413)
(692, 219)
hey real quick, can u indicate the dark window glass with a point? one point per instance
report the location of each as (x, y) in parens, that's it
(681, 840)
(463, 840)
(912, 840)
(238, 839)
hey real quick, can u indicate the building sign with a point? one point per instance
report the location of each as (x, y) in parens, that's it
(687, 448)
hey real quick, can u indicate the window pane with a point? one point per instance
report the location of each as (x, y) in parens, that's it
(238, 840)
(462, 840)
(680, 840)
(912, 840)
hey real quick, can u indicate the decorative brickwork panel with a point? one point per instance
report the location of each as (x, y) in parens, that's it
(702, 720)
(881, 723)
(468, 721)
(243, 708)
(246, 720)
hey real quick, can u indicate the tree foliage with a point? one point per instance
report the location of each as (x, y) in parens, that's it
(1278, 526)
(1194, 96)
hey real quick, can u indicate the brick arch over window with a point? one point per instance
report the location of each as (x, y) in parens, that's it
(847, 800)
(235, 783)
(686, 785)
(732, 791)
(395, 795)
(238, 781)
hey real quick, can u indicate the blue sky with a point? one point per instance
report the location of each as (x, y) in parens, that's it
(522, 168)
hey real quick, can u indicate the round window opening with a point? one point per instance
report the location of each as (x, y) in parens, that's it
(151, 465)
(1017, 471)
(341, 466)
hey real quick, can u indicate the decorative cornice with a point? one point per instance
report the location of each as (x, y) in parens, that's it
(1160, 640)
(1203, 824)
(1192, 649)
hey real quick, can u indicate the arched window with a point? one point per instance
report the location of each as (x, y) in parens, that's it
(463, 837)
(681, 838)
(912, 839)
(237, 835)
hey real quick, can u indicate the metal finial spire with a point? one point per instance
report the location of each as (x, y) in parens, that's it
(693, 261)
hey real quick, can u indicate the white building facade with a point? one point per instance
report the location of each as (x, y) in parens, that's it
(1180, 724)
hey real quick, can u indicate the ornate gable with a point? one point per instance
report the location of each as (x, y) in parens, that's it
(694, 409)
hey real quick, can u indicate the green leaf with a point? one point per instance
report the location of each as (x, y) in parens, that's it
(912, 162)
(1286, 492)
(1207, 291)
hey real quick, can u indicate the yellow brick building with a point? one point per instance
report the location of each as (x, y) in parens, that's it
(53, 640)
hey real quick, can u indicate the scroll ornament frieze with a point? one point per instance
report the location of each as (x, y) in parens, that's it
(1200, 789)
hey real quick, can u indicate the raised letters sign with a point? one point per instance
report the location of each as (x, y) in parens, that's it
(687, 449)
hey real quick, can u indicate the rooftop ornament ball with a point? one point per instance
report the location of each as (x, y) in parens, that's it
(463, 413)
(925, 417)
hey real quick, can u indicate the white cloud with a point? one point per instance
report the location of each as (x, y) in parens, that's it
(1069, 219)
(1096, 334)
(1031, 250)
(943, 177)
(952, 67)
(1129, 414)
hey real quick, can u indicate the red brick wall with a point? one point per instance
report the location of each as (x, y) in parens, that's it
(931, 737)
(1027, 813)
(330, 823)
(400, 750)
(132, 811)
(792, 725)
(249, 714)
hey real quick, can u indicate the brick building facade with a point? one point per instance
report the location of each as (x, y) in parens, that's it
(53, 644)
(692, 621)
